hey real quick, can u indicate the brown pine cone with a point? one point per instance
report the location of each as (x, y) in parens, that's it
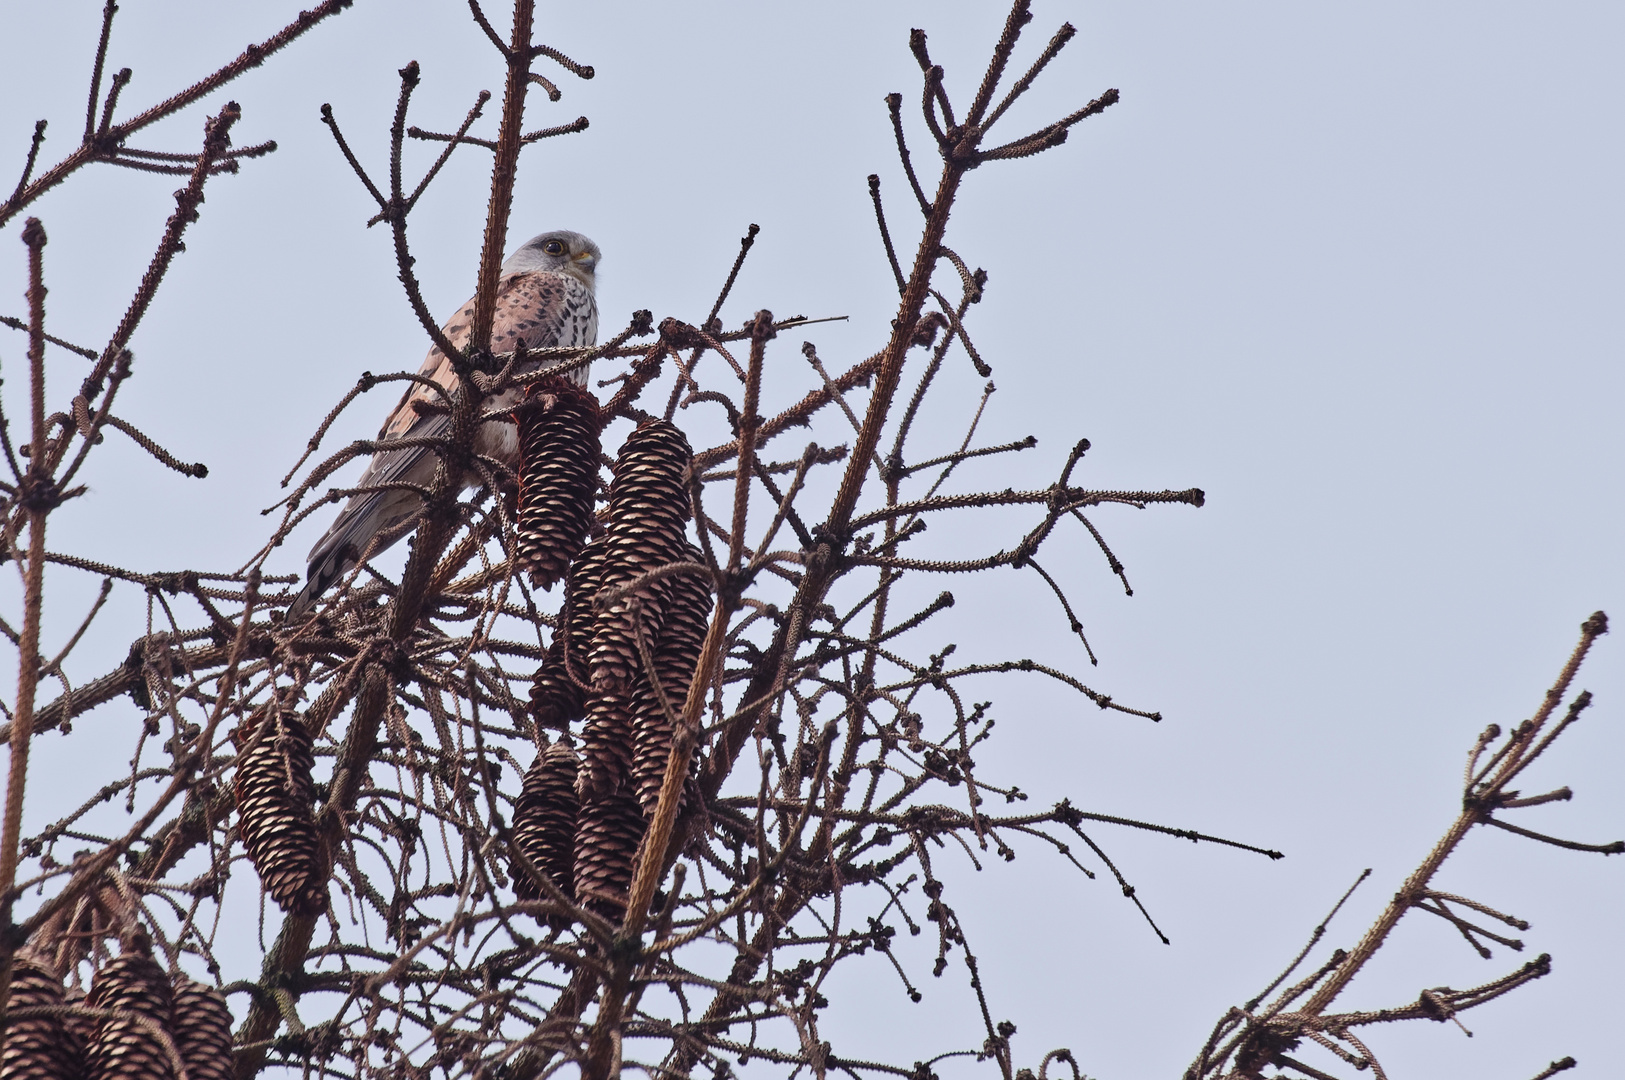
(202, 1029)
(558, 443)
(675, 655)
(606, 844)
(557, 688)
(81, 1030)
(577, 617)
(274, 797)
(544, 822)
(555, 700)
(648, 505)
(125, 1049)
(38, 1047)
(606, 746)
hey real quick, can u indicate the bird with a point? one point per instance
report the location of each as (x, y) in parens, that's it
(544, 299)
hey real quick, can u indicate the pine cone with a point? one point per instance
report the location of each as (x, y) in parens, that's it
(558, 441)
(577, 617)
(274, 797)
(202, 1030)
(557, 689)
(544, 822)
(39, 1047)
(648, 504)
(606, 746)
(124, 1048)
(676, 654)
(606, 845)
(555, 700)
(81, 1030)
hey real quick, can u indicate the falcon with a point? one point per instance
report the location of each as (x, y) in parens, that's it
(544, 298)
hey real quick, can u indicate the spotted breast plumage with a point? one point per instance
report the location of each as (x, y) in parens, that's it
(544, 299)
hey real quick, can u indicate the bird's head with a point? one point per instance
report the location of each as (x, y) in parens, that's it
(562, 250)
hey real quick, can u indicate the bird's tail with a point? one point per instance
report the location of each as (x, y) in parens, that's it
(364, 529)
(326, 566)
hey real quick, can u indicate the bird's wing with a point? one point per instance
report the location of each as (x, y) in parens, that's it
(437, 367)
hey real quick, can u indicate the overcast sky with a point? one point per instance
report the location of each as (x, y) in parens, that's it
(1355, 270)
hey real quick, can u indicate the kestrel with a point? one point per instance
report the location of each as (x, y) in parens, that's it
(544, 298)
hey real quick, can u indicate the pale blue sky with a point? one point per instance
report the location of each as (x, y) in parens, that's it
(1355, 270)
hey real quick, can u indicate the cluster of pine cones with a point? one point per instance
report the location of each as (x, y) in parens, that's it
(580, 818)
(66, 1040)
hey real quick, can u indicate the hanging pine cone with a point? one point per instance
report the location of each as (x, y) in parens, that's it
(38, 1047)
(648, 504)
(606, 746)
(606, 845)
(123, 1048)
(555, 699)
(675, 655)
(274, 797)
(558, 442)
(81, 1030)
(544, 823)
(577, 617)
(556, 691)
(202, 1030)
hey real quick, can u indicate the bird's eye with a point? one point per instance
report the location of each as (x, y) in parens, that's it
(554, 247)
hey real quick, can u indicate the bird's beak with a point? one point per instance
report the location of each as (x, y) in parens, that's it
(585, 259)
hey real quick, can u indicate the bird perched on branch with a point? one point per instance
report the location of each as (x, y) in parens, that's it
(544, 299)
